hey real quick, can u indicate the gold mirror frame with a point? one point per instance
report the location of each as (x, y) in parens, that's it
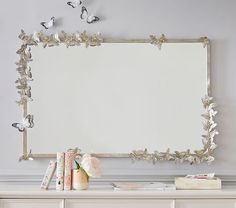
(76, 39)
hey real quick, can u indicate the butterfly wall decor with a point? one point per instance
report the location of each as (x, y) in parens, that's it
(48, 24)
(27, 122)
(84, 12)
(89, 18)
(74, 3)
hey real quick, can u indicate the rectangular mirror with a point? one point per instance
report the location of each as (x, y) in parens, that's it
(121, 96)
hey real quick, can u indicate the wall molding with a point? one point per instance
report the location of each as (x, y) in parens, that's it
(227, 180)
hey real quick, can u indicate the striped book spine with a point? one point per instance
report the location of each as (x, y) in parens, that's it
(60, 171)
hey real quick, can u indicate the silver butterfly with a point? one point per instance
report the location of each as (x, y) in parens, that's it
(90, 18)
(48, 24)
(74, 3)
(27, 122)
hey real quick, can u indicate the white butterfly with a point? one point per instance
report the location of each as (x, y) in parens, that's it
(57, 38)
(74, 3)
(27, 122)
(36, 37)
(48, 24)
(90, 18)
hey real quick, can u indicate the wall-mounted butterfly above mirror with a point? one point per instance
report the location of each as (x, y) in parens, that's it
(147, 99)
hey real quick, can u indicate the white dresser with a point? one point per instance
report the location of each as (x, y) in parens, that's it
(23, 197)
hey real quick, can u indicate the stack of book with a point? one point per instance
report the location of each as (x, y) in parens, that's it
(198, 182)
(63, 167)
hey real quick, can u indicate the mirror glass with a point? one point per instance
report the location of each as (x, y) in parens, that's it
(117, 97)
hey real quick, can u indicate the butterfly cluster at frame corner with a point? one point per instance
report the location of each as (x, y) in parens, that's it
(84, 14)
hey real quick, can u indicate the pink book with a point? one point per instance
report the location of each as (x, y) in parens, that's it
(69, 158)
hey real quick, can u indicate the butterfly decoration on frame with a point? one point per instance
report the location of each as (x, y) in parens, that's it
(48, 24)
(89, 18)
(27, 122)
(29, 156)
(84, 12)
(74, 3)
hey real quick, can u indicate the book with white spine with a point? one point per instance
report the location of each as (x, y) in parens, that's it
(60, 171)
(48, 174)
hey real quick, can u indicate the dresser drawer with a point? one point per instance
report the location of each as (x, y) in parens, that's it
(31, 203)
(206, 203)
(118, 203)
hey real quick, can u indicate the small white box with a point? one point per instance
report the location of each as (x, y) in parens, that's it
(197, 184)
